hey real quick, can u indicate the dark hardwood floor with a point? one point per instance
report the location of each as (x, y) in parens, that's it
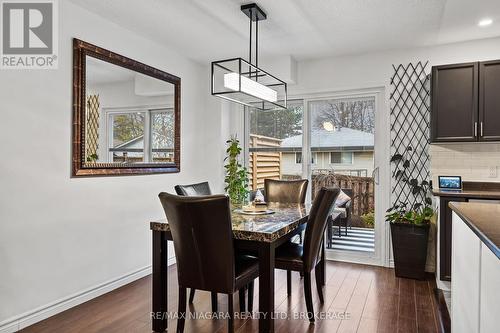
(372, 298)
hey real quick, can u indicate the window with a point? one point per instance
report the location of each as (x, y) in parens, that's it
(141, 136)
(341, 158)
(275, 137)
(298, 158)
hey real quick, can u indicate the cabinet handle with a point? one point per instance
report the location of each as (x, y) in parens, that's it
(475, 129)
(481, 128)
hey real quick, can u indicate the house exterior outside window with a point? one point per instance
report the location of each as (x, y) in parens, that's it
(341, 157)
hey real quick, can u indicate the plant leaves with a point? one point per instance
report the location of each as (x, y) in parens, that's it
(396, 157)
(416, 189)
(406, 164)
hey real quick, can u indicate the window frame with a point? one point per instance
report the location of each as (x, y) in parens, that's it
(341, 159)
(149, 111)
(313, 158)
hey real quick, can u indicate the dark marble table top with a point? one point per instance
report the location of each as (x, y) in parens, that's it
(484, 221)
(264, 228)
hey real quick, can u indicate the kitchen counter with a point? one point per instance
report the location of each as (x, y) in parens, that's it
(476, 190)
(483, 219)
(477, 194)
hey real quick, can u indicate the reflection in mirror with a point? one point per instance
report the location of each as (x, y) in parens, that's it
(129, 117)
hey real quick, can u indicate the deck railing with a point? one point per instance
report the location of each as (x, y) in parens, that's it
(363, 189)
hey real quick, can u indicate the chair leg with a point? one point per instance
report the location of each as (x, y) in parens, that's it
(181, 310)
(250, 297)
(288, 282)
(230, 310)
(241, 293)
(191, 295)
(214, 302)
(308, 296)
(319, 283)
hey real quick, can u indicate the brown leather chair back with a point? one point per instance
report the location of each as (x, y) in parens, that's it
(322, 208)
(193, 189)
(203, 241)
(285, 191)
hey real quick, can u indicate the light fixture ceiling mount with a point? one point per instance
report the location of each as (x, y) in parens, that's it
(243, 81)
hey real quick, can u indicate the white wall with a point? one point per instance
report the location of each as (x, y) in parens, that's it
(61, 235)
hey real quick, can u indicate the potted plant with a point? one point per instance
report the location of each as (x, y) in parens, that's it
(236, 179)
(410, 222)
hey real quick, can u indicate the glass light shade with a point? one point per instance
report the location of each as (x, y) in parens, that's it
(251, 87)
(239, 81)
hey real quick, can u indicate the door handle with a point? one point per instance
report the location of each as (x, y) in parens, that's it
(376, 180)
(481, 128)
(475, 129)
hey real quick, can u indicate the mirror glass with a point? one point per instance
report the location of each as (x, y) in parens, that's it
(129, 117)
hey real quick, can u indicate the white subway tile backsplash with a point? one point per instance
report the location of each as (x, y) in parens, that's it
(472, 161)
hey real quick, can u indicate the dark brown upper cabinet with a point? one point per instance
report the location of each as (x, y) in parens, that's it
(489, 101)
(466, 102)
(454, 115)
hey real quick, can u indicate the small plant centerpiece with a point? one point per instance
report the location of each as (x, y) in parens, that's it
(410, 221)
(236, 180)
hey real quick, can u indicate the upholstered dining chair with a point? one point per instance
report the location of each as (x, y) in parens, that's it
(285, 191)
(203, 242)
(304, 258)
(197, 189)
(193, 189)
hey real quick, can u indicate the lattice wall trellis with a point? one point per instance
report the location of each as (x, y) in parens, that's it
(410, 117)
(92, 128)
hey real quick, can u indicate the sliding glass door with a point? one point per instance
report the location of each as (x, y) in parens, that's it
(331, 140)
(342, 139)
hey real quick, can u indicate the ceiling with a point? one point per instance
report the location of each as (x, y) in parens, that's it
(206, 30)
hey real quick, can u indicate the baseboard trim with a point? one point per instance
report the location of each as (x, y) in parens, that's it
(429, 268)
(26, 319)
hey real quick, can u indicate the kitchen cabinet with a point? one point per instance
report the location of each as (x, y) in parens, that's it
(445, 238)
(474, 289)
(454, 103)
(489, 101)
(465, 103)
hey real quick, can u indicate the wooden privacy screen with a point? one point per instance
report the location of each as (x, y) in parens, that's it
(263, 164)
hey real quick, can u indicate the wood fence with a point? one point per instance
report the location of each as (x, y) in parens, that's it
(263, 164)
(362, 187)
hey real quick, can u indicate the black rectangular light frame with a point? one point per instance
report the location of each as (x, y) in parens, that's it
(242, 63)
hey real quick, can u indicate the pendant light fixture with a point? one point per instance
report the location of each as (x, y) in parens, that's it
(244, 82)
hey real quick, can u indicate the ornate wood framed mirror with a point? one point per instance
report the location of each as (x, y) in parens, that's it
(126, 115)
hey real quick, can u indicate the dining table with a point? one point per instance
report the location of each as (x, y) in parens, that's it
(259, 234)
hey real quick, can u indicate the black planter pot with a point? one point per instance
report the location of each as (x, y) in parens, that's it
(409, 245)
